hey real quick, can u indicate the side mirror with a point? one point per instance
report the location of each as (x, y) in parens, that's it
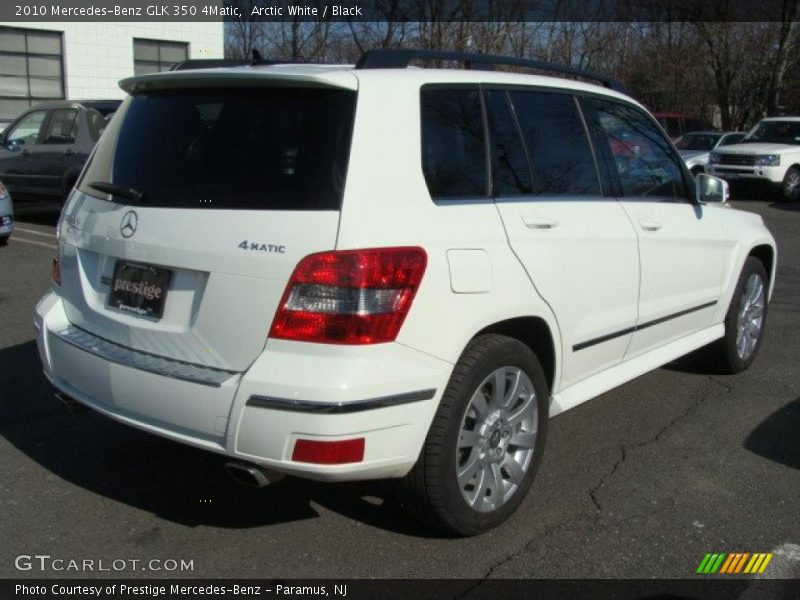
(710, 189)
(13, 144)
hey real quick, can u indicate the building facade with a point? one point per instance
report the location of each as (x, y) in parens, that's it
(81, 61)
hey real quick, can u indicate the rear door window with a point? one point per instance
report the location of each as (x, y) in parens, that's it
(558, 146)
(248, 148)
(62, 128)
(453, 143)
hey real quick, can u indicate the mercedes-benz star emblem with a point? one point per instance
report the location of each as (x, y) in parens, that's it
(130, 221)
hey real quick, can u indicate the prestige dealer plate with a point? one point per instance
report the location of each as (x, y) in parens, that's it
(139, 289)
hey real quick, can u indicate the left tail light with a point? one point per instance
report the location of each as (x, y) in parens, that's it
(350, 296)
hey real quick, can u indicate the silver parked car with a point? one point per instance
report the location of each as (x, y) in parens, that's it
(6, 215)
(696, 146)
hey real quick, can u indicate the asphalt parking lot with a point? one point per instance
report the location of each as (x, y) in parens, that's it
(638, 483)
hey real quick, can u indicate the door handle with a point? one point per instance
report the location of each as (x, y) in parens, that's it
(539, 223)
(650, 225)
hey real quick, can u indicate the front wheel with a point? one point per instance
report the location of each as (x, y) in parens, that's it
(746, 319)
(486, 440)
(790, 188)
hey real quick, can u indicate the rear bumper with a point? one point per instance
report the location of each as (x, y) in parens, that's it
(386, 394)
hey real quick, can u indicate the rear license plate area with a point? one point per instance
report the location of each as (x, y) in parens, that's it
(139, 289)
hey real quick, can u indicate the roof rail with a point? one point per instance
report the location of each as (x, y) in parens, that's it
(399, 59)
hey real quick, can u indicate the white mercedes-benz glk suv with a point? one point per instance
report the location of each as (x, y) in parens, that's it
(372, 271)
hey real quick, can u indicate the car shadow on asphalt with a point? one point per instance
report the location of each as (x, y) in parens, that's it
(776, 438)
(178, 483)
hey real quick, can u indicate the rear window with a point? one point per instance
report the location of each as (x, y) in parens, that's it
(246, 148)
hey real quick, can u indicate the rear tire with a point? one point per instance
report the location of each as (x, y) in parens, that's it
(790, 188)
(486, 440)
(745, 321)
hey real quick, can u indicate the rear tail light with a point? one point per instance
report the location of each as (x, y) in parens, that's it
(329, 453)
(55, 274)
(350, 297)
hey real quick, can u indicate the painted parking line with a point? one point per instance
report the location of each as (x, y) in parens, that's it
(35, 232)
(34, 242)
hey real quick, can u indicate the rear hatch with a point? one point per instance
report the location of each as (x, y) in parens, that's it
(201, 197)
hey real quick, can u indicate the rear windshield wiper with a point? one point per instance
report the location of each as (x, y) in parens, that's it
(117, 190)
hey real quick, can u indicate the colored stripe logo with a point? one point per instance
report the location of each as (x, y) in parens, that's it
(734, 563)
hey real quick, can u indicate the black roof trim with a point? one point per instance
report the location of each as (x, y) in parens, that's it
(399, 59)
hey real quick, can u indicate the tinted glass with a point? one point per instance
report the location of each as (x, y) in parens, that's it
(11, 64)
(732, 138)
(173, 52)
(44, 43)
(559, 150)
(145, 50)
(644, 161)
(12, 40)
(279, 149)
(46, 88)
(775, 132)
(62, 127)
(41, 66)
(14, 86)
(453, 150)
(27, 130)
(10, 109)
(510, 172)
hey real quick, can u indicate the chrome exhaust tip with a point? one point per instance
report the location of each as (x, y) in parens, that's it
(252, 475)
(70, 405)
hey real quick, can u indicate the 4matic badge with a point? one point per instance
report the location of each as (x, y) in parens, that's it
(258, 247)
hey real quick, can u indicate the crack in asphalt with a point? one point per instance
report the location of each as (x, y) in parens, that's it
(625, 448)
(522, 550)
(593, 492)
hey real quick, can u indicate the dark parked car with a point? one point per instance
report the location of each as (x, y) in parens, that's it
(43, 151)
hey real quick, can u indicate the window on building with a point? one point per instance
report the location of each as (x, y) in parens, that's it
(153, 56)
(31, 69)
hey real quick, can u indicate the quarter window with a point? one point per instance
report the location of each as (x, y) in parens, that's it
(559, 150)
(453, 148)
(644, 160)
